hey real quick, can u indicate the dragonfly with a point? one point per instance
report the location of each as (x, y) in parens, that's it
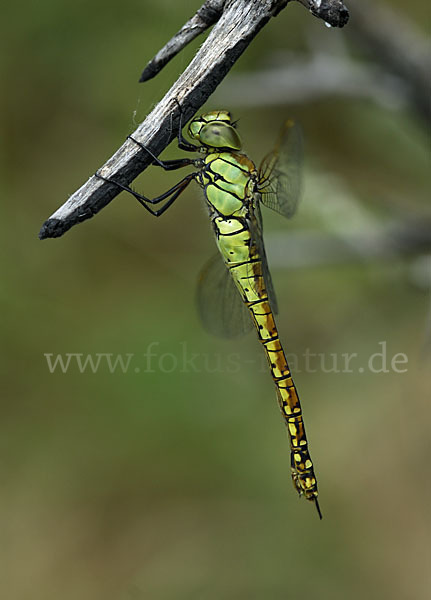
(235, 291)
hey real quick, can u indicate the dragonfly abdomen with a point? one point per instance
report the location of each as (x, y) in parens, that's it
(301, 464)
(229, 183)
(249, 279)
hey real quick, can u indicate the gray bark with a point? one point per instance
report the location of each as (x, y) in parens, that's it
(237, 22)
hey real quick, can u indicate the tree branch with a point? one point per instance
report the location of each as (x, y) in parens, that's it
(238, 23)
(332, 12)
(208, 14)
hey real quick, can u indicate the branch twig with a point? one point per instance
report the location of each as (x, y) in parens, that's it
(208, 14)
(238, 23)
(332, 12)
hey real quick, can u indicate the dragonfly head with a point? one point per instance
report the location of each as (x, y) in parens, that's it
(215, 130)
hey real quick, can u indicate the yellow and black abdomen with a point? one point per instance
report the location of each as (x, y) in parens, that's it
(228, 180)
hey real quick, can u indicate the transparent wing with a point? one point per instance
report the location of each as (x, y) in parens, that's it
(256, 228)
(219, 302)
(279, 182)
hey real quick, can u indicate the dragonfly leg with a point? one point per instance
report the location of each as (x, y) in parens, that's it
(167, 165)
(172, 194)
(183, 144)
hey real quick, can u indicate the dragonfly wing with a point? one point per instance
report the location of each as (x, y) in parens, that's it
(279, 182)
(220, 306)
(256, 227)
(269, 285)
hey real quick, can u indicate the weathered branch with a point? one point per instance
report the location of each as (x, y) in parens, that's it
(397, 76)
(332, 12)
(206, 16)
(238, 23)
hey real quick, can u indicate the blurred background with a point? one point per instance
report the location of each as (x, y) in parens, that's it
(165, 472)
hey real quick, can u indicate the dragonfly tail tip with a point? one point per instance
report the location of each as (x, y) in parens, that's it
(319, 512)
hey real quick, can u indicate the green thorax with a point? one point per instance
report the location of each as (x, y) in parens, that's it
(227, 176)
(227, 181)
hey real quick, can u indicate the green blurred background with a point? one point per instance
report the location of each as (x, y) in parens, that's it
(170, 481)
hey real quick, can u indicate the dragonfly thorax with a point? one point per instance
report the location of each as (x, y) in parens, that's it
(215, 130)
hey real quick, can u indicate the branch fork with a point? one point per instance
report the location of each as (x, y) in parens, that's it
(235, 24)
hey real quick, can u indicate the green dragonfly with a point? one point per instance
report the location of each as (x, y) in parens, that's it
(236, 292)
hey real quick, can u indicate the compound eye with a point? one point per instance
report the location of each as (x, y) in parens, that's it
(195, 127)
(220, 135)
